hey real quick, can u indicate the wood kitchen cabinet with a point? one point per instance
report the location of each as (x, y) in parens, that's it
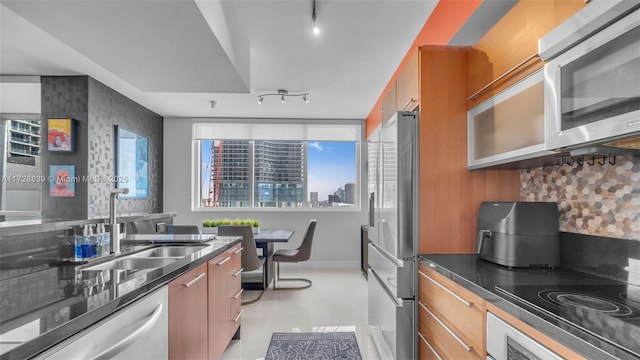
(389, 103)
(407, 85)
(511, 41)
(452, 320)
(188, 325)
(224, 299)
(450, 195)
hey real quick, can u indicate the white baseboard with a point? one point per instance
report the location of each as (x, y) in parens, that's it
(321, 265)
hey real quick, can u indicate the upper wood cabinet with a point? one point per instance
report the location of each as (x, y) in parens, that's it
(389, 103)
(407, 85)
(451, 215)
(510, 47)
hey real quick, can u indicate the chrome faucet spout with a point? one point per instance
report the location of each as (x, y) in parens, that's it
(115, 227)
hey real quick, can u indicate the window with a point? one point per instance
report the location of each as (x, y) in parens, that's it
(277, 165)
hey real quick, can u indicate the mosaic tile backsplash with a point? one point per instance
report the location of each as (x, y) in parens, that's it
(602, 200)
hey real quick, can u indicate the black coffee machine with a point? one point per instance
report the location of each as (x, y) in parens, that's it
(519, 234)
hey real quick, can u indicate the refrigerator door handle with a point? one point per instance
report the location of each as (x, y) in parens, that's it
(372, 207)
(377, 278)
(387, 256)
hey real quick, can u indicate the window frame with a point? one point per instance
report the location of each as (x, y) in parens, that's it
(196, 172)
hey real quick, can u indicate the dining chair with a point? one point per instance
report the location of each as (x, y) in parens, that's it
(302, 253)
(251, 261)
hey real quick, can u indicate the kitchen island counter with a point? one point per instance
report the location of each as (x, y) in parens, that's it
(44, 303)
(482, 277)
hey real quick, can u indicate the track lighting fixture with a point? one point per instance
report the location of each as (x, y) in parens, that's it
(316, 30)
(283, 94)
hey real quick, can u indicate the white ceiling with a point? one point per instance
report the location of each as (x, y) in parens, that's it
(175, 56)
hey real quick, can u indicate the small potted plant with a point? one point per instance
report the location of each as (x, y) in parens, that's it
(255, 223)
(209, 226)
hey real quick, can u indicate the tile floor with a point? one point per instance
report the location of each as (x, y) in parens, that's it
(337, 301)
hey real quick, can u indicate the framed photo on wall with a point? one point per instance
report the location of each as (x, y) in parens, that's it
(132, 163)
(62, 180)
(61, 135)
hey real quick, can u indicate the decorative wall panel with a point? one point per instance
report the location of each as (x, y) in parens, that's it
(602, 200)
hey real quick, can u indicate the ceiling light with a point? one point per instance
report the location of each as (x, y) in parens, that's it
(283, 94)
(316, 30)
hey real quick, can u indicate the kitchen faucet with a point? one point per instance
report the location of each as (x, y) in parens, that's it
(115, 227)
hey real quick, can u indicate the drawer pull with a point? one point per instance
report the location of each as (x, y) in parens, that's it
(444, 326)
(194, 280)
(237, 317)
(433, 351)
(445, 289)
(238, 251)
(236, 296)
(223, 261)
(238, 272)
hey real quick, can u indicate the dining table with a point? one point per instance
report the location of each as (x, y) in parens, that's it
(265, 240)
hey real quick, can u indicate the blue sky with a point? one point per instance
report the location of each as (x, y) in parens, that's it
(331, 165)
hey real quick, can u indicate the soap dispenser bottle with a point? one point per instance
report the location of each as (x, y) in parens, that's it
(93, 242)
(79, 243)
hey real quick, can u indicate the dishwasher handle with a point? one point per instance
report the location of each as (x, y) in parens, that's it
(131, 338)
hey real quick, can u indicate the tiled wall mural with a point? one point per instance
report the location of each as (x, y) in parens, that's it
(602, 200)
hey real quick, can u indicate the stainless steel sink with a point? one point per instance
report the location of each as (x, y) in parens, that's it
(131, 263)
(168, 252)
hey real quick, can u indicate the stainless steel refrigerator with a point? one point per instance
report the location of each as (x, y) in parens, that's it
(393, 176)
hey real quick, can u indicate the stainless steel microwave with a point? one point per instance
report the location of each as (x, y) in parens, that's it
(592, 88)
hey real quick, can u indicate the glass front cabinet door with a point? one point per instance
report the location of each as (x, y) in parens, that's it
(507, 129)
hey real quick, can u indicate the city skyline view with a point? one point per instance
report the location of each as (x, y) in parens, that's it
(330, 165)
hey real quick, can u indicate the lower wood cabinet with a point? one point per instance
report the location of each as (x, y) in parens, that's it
(204, 308)
(224, 299)
(188, 326)
(452, 320)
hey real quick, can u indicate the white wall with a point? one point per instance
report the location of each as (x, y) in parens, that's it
(336, 242)
(19, 94)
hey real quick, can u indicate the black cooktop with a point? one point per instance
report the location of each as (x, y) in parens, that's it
(611, 312)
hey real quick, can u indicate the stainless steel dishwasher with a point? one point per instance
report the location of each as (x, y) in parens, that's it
(139, 331)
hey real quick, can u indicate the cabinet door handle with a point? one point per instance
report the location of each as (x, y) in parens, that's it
(131, 338)
(407, 104)
(223, 261)
(238, 272)
(237, 295)
(235, 320)
(433, 351)
(444, 326)
(238, 251)
(468, 303)
(194, 280)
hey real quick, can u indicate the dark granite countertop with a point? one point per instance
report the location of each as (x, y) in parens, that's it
(481, 277)
(42, 304)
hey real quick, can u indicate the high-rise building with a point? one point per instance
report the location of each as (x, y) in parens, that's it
(24, 141)
(340, 194)
(313, 197)
(278, 173)
(350, 193)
